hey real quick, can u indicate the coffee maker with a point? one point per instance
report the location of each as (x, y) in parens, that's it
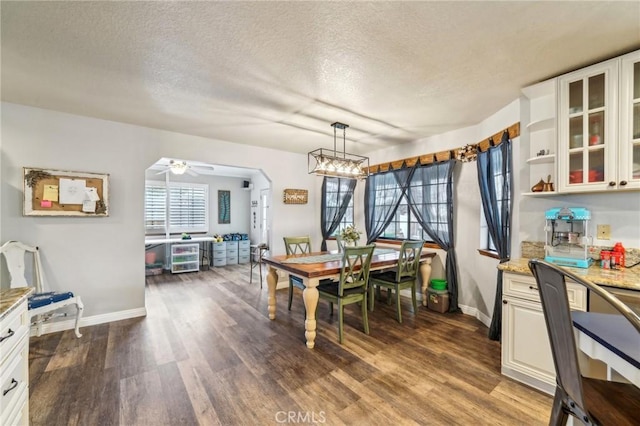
(567, 243)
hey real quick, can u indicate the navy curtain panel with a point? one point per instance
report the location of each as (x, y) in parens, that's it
(383, 192)
(496, 190)
(430, 197)
(336, 195)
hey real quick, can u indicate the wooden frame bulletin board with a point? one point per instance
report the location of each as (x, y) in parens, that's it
(63, 193)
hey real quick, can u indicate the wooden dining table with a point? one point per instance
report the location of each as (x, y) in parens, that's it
(313, 267)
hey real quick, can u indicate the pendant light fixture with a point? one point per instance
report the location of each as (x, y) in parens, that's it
(324, 162)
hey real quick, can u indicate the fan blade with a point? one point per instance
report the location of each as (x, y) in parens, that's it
(203, 170)
(191, 172)
(163, 172)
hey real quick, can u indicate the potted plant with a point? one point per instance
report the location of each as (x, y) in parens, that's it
(350, 235)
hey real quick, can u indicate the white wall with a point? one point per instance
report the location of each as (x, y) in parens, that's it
(102, 259)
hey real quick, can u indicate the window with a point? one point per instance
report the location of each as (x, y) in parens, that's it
(336, 190)
(188, 207)
(486, 242)
(404, 224)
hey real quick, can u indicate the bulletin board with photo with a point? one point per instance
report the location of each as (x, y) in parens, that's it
(64, 193)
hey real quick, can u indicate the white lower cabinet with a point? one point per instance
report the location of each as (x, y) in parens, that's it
(526, 352)
(14, 367)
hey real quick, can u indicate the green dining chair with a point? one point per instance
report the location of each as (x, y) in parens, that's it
(404, 276)
(352, 287)
(296, 245)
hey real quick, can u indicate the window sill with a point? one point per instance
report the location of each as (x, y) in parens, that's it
(489, 253)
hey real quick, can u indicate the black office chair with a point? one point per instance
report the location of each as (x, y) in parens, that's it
(591, 401)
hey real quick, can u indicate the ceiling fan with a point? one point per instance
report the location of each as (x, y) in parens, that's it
(180, 167)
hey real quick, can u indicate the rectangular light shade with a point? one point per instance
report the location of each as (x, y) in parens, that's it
(325, 162)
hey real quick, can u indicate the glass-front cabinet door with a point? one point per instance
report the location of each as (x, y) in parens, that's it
(629, 140)
(587, 128)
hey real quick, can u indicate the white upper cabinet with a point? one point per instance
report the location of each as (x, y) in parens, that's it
(629, 139)
(587, 128)
(599, 127)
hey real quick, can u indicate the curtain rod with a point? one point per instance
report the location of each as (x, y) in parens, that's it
(436, 157)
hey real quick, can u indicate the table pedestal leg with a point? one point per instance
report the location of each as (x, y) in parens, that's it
(425, 273)
(272, 280)
(310, 296)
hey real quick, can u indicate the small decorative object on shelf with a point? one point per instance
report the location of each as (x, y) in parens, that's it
(350, 234)
(186, 236)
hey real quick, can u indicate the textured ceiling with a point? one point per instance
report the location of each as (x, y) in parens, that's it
(277, 74)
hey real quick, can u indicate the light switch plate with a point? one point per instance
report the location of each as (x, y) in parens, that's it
(604, 232)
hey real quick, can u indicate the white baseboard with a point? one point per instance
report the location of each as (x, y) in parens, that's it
(474, 312)
(70, 324)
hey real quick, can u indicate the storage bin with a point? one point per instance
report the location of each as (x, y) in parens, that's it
(439, 284)
(153, 269)
(438, 300)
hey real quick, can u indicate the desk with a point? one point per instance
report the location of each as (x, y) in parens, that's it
(312, 273)
(175, 240)
(611, 339)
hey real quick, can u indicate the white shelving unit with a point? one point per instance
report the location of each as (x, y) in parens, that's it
(185, 258)
(232, 252)
(219, 253)
(244, 251)
(542, 134)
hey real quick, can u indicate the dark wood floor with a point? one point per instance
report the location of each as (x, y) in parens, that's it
(207, 354)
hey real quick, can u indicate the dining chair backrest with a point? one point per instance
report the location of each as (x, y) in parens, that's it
(340, 243)
(356, 262)
(409, 259)
(297, 245)
(557, 314)
(15, 256)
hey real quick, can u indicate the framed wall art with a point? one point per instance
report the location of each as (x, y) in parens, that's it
(49, 192)
(295, 196)
(224, 206)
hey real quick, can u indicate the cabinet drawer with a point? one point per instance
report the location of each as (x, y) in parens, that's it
(244, 244)
(232, 253)
(181, 258)
(219, 254)
(219, 246)
(232, 261)
(232, 245)
(244, 251)
(244, 259)
(526, 287)
(14, 378)
(184, 248)
(220, 261)
(185, 267)
(12, 328)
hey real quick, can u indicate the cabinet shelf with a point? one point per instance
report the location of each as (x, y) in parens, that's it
(542, 159)
(548, 123)
(541, 194)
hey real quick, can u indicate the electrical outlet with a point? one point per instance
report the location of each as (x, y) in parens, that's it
(604, 232)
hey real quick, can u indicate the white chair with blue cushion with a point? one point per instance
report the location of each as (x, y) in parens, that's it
(42, 304)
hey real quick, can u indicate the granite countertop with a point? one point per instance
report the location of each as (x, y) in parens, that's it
(11, 298)
(620, 278)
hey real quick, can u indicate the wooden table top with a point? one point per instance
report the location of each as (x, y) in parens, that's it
(313, 270)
